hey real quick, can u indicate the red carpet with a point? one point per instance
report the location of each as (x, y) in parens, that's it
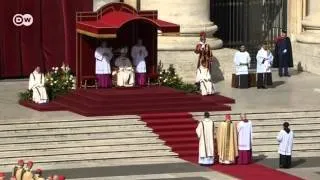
(178, 132)
(130, 101)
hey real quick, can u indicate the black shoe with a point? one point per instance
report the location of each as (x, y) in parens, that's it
(287, 75)
(263, 87)
(280, 75)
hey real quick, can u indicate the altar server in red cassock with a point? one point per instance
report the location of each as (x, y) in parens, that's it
(244, 128)
(103, 56)
(138, 54)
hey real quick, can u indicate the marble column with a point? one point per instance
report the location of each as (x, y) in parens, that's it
(99, 3)
(307, 48)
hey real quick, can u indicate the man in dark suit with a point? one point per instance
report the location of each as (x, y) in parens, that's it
(283, 54)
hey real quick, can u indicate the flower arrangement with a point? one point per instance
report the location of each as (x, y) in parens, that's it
(59, 81)
(168, 77)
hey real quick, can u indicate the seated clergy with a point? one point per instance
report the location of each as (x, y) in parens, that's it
(125, 73)
(204, 79)
(36, 84)
(242, 62)
(138, 54)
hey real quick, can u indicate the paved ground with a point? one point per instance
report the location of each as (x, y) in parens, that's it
(299, 92)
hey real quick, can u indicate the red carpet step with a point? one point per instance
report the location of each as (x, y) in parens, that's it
(178, 132)
(130, 101)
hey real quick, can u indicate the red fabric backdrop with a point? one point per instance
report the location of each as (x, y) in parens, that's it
(48, 42)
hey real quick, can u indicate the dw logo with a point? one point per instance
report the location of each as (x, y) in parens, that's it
(22, 19)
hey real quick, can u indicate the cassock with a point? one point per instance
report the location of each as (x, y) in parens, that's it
(268, 65)
(227, 142)
(261, 57)
(204, 51)
(103, 70)
(139, 53)
(242, 62)
(36, 84)
(244, 142)
(205, 134)
(125, 74)
(283, 55)
(204, 79)
(285, 139)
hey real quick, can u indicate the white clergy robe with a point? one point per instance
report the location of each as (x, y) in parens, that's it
(36, 84)
(242, 62)
(244, 135)
(261, 57)
(125, 74)
(139, 53)
(205, 135)
(268, 62)
(204, 78)
(286, 142)
(103, 57)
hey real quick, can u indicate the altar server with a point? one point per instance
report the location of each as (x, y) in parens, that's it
(36, 84)
(103, 56)
(242, 63)
(203, 77)
(285, 139)
(262, 58)
(138, 54)
(268, 65)
(244, 128)
(227, 141)
(205, 133)
(125, 73)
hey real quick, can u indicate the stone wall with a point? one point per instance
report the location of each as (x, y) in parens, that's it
(307, 56)
(185, 63)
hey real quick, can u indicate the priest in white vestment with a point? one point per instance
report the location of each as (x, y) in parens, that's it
(125, 73)
(138, 54)
(285, 139)
(268, 65)
(244, 128)
(103, 56)
(203, 77)
(242, 63)
(262, 58)
(205, 133)
(36, 84)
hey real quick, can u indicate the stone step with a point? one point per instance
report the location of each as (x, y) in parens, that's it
(292, 121)
(101, 163)
(75, 137)
(81, 150)
(79, 143)
(298, 133)
(295, 153)
(299, 140)
(294, 128)
(70, 124)
(296, 147)
(88, 157)
(65, 131)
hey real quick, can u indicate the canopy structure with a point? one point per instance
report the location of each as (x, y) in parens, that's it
(120, 25)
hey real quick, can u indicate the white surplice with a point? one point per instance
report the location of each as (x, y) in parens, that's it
(205, 135)
(103, 57)
(125, 74)
(139, 53)
(268, 62)
(261, 57)
(204, 78)
(286, 142)
(36, 84)
(244, 135)
(242, 61)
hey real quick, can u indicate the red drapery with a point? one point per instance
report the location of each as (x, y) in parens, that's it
(48, 42)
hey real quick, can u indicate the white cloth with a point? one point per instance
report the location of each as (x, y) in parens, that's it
(125, 74)
(204, 78)
(286, 142)
(36, 84)
(139, 53)
(268, 62)
(244, 135)
(103, 57)
(242, 62)
(262, 56)
(205, 133)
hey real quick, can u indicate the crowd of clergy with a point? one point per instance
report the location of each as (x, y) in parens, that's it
(231, 142)
(129, 73)
(23, 171)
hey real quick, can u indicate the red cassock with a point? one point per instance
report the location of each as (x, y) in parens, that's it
(205, 53)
